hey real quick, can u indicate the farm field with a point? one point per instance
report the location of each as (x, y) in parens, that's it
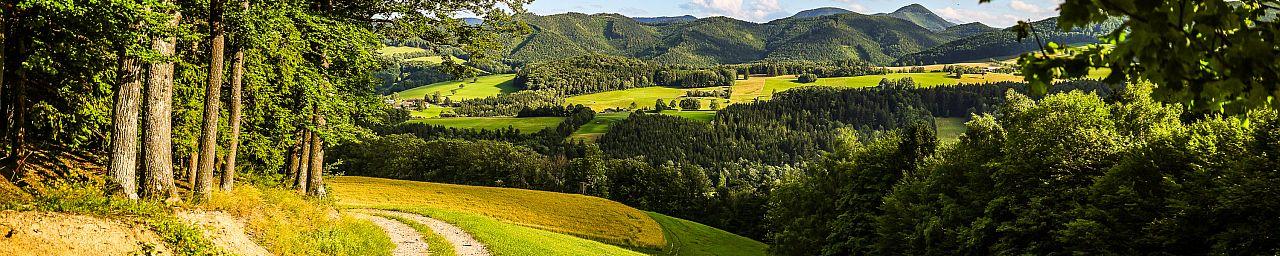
(598, 126)
(687, 238)
(524, 124)
(484, 86)
(643, 97)
(950, 128)
(582, 216)
(389, 50)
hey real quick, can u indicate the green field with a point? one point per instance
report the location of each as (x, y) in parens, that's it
(389, 50)
(643, 97)
(687, 238)
(597, 127)
(950, 128)
(528, 222)
(524, 124)
(484, 86)
(764, 87)
(435, 59)
(700, 115)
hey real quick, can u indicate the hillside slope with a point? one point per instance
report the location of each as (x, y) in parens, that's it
(1004, 43)
(817, 35)
(533, 221)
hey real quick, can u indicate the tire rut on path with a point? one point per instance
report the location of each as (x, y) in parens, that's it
(463, 243)
(408, 241)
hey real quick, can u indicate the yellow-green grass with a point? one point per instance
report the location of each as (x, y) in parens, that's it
(435, 59)
(950, 128)
(687, 238)
(643, 97)
(764, 87)
(696, 115)
(484, 86)
(431, 112)
(286, 223)
(524, 124)
(436, 244)
(506, 238)
(577, 215)
(389, 50)
(598, 126)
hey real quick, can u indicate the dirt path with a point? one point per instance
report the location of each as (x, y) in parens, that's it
(43, 233)
(408, 241)
(463, 244)
(225, 231)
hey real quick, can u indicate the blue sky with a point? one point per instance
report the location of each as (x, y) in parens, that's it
(997, 13)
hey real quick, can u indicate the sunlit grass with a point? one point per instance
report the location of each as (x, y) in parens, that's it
(524, 124)
(436, 244)
(950, 128)
(505, 238)
(582, 216)
(643, 97)
(484, 86)
(286, 223)
(687, 238)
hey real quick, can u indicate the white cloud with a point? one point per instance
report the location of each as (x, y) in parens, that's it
(1025, 7)
(755, 10)
(966, 16)
(855, 6)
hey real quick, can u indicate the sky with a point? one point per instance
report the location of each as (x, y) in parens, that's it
(997, 13)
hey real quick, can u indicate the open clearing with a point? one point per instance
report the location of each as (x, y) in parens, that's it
(950, 128)
(600, 125)
(526, 125)
(643, 97)
(527, 222)
(484, 86)
(389, 50)
(583, 216)
(687, 238)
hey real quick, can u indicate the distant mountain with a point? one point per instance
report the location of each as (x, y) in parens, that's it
(922, 16)
(472, 21)
(968, 29)
(721, 40)
(1004, 43)
(819, 12)
(665, 20)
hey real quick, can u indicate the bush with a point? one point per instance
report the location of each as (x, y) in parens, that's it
(690, 104)
(807, 78)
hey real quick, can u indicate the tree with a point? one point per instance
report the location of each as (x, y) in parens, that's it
(1212, 55)
(124, 137)
(212, 100)
(158, 137)
(715, 104)
(807, 78)
(690, 104)
(660, 105)
(315, 176)
(237, 80)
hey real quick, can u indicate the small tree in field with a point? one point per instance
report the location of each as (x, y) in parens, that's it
(660, 105)
(807, 78)
(690, 104)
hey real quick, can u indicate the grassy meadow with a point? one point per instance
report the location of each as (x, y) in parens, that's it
(950, 128)
(389, 50)
(580, 216)
(524, 124)
(598, 126)
(687, 238)
(484, 86)
(643, 97)
(507, 238)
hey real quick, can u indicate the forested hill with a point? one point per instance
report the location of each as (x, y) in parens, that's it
(1004, 43)
(922, 16)
(878, 39)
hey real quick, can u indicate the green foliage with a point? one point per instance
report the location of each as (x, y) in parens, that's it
(690, 104)
(807, 78)
(1001, 44)
(1207, 55)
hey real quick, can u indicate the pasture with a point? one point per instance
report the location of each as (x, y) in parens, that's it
(764, 87)
(577, 215)
(643, 97)
(687, 238)
(484, 86)
(389, 50)
(949, 129)
(524, 124)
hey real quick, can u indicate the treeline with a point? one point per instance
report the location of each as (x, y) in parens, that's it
(1069, 174)
(598, 73)
(846, 68)
(507, 104)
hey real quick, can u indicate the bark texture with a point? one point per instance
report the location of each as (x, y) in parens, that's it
(237, 82)
(212, 98)
(315, 178)
(124, 134)
(158, 137)
(304, 168)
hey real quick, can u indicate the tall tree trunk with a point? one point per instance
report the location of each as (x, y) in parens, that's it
(4, 102)
(237, 76)
(315, 178)
(124, 136)
(158, 139)
(212, 96)
(300, 183)
(292, 171)
(237, 81)
(193, 164)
